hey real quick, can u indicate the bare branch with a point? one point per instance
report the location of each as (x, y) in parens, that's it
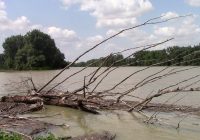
(148, 22)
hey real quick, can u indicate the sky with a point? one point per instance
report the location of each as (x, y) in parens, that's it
(77, 25)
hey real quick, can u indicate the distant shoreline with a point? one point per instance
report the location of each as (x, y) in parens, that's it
(11, 70)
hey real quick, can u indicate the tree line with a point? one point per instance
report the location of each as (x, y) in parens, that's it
(37, 50)
(34, 50)
(180, 56)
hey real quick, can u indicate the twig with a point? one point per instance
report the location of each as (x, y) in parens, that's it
(148, 22)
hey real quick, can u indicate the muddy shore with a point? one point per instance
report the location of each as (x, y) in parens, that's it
(12, 106)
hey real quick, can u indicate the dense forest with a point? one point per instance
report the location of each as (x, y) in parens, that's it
(171, 56)
(35, 50)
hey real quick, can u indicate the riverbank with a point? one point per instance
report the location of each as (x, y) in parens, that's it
(113, 120)
(12, 106)
(27, 128)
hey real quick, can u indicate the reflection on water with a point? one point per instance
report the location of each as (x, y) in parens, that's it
(127, 126)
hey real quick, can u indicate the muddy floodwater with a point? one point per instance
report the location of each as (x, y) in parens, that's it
(126, 126)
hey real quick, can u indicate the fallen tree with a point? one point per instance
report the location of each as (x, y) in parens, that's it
(89, 99)
(91, 105)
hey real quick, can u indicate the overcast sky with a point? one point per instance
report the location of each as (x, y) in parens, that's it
(76, 25)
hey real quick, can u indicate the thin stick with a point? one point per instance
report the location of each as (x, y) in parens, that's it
(84, 94)
(148, 22)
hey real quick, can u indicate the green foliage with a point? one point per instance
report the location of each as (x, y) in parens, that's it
(147, 58)
(11, 46)
(9, 136)
(2, 60)
(49, 137)
(35, 50)
(98, 62)
(13, 136)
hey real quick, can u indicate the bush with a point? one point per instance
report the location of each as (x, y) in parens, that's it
(14, 136)
(9, 136)
(49, 137)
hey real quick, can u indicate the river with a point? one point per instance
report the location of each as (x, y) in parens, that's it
(127, 126)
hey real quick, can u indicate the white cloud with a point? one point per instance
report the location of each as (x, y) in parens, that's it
(68, 3)
(64, 38)
(111, 32)
(62, 34)
(116, 22)
(185, 32)
(186, 28)
(3, 16)
(95, 39)
(195, 3)
(2, 10)
(7, 24)
(88, 42)
(101, 51)
(169, 15)
(110, 13)
(2, 5)
(20, 23)
(114, 15)
(116, 12)
(165, 31)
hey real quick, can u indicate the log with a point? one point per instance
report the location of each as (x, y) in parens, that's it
(36, 102)
(21, 104)
(22, 99)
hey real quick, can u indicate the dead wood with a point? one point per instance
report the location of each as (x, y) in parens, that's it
(13, 108)
(151, 21)
(91, 101)
(25, 126)
(36, 103)
(91, 105)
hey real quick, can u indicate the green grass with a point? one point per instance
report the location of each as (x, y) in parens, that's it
(9, 136)
(49, 137)
(13, 136)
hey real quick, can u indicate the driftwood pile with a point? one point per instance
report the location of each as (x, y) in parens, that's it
(87, 98)
(18, 104)
(26, 127)
(12, 106)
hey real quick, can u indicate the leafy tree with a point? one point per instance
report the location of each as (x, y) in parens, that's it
(2, 60)
(179, 55)
(11, 46)
(35, 50)
(42, 44)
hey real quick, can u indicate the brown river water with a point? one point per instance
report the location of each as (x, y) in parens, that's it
(127, 126)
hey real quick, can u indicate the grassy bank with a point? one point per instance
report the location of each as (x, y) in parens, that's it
(14, 136)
